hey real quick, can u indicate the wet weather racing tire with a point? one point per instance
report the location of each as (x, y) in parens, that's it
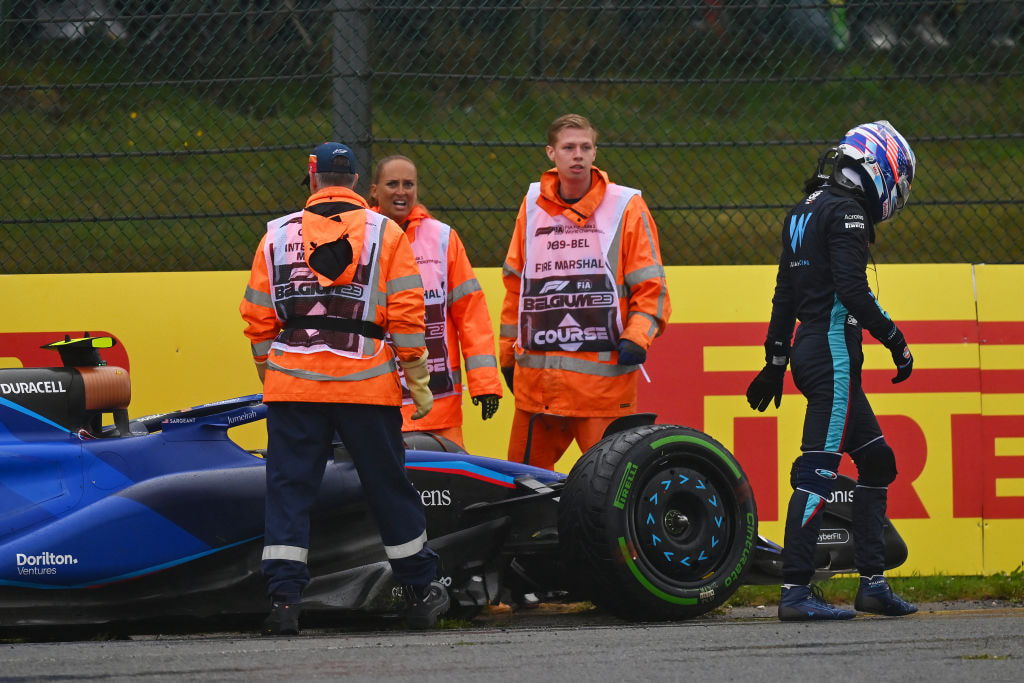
(657, 522)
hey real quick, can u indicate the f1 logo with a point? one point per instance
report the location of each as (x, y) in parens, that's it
(554, 286)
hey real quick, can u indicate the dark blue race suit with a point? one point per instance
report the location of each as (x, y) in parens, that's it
(822, 282)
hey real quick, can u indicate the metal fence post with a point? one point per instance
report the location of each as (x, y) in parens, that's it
(351, 120)
(536, 55)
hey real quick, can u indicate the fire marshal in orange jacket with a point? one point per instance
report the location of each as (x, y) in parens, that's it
(327, 284)
(457, 321)
(585, 297)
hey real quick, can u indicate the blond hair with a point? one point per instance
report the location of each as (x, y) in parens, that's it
(379, 168)
(569, 121)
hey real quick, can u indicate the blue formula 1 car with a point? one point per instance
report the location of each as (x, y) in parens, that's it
(161, 516)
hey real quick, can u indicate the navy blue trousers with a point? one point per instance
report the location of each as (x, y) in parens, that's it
(827, 371)
(839, 418)
(299, 444)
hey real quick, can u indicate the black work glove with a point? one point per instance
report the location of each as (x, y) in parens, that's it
(767, 386)
(489, 404)
(631, 353)
(901, 355)
(507, 373)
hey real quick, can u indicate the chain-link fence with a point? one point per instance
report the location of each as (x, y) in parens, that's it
(144, 135)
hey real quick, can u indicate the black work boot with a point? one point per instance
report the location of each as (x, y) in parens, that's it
(283, 619)
(425, 604)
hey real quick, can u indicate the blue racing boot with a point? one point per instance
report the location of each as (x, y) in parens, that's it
(875, 596)
(806, 603)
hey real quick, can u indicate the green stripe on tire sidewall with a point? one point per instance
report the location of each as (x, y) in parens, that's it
(655, 445)
(654, 590)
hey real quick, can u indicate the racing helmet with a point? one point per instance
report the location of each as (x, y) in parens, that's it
(883, 160)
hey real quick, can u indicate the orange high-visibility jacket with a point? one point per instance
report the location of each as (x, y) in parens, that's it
(382, 287)
(469, 332)
(587, 383)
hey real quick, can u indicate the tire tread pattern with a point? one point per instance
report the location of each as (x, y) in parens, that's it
(589, 550)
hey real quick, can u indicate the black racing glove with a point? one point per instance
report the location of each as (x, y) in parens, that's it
(767, 386)
(631, 353)
(508, 373)
(901, 355)
(489, 404)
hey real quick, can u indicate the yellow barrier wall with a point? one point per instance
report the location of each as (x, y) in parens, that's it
(957, 425)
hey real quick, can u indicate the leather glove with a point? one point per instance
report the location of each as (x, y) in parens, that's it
(417, 378)
(261, 370)
(508, 373)
(488, 403)
(631, 353)
(901, 355)
(767, 386)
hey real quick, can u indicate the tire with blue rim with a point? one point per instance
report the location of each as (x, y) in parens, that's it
(657, 522)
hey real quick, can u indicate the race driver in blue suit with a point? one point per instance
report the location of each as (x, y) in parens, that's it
(822, 282)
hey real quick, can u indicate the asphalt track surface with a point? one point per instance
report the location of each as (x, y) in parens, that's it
(978, 642)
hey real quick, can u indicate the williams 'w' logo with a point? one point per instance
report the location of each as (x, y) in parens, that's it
(796, 230)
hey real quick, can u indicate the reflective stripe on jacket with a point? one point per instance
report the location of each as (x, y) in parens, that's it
(469, 334)
(431, 249)
(381, 287)
(586, 383)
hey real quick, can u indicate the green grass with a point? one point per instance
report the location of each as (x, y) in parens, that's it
(1007, 587)
(183, 178)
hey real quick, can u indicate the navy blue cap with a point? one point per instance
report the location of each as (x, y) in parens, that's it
(331, 157)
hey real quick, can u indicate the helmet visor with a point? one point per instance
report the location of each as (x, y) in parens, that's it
(902, 193)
